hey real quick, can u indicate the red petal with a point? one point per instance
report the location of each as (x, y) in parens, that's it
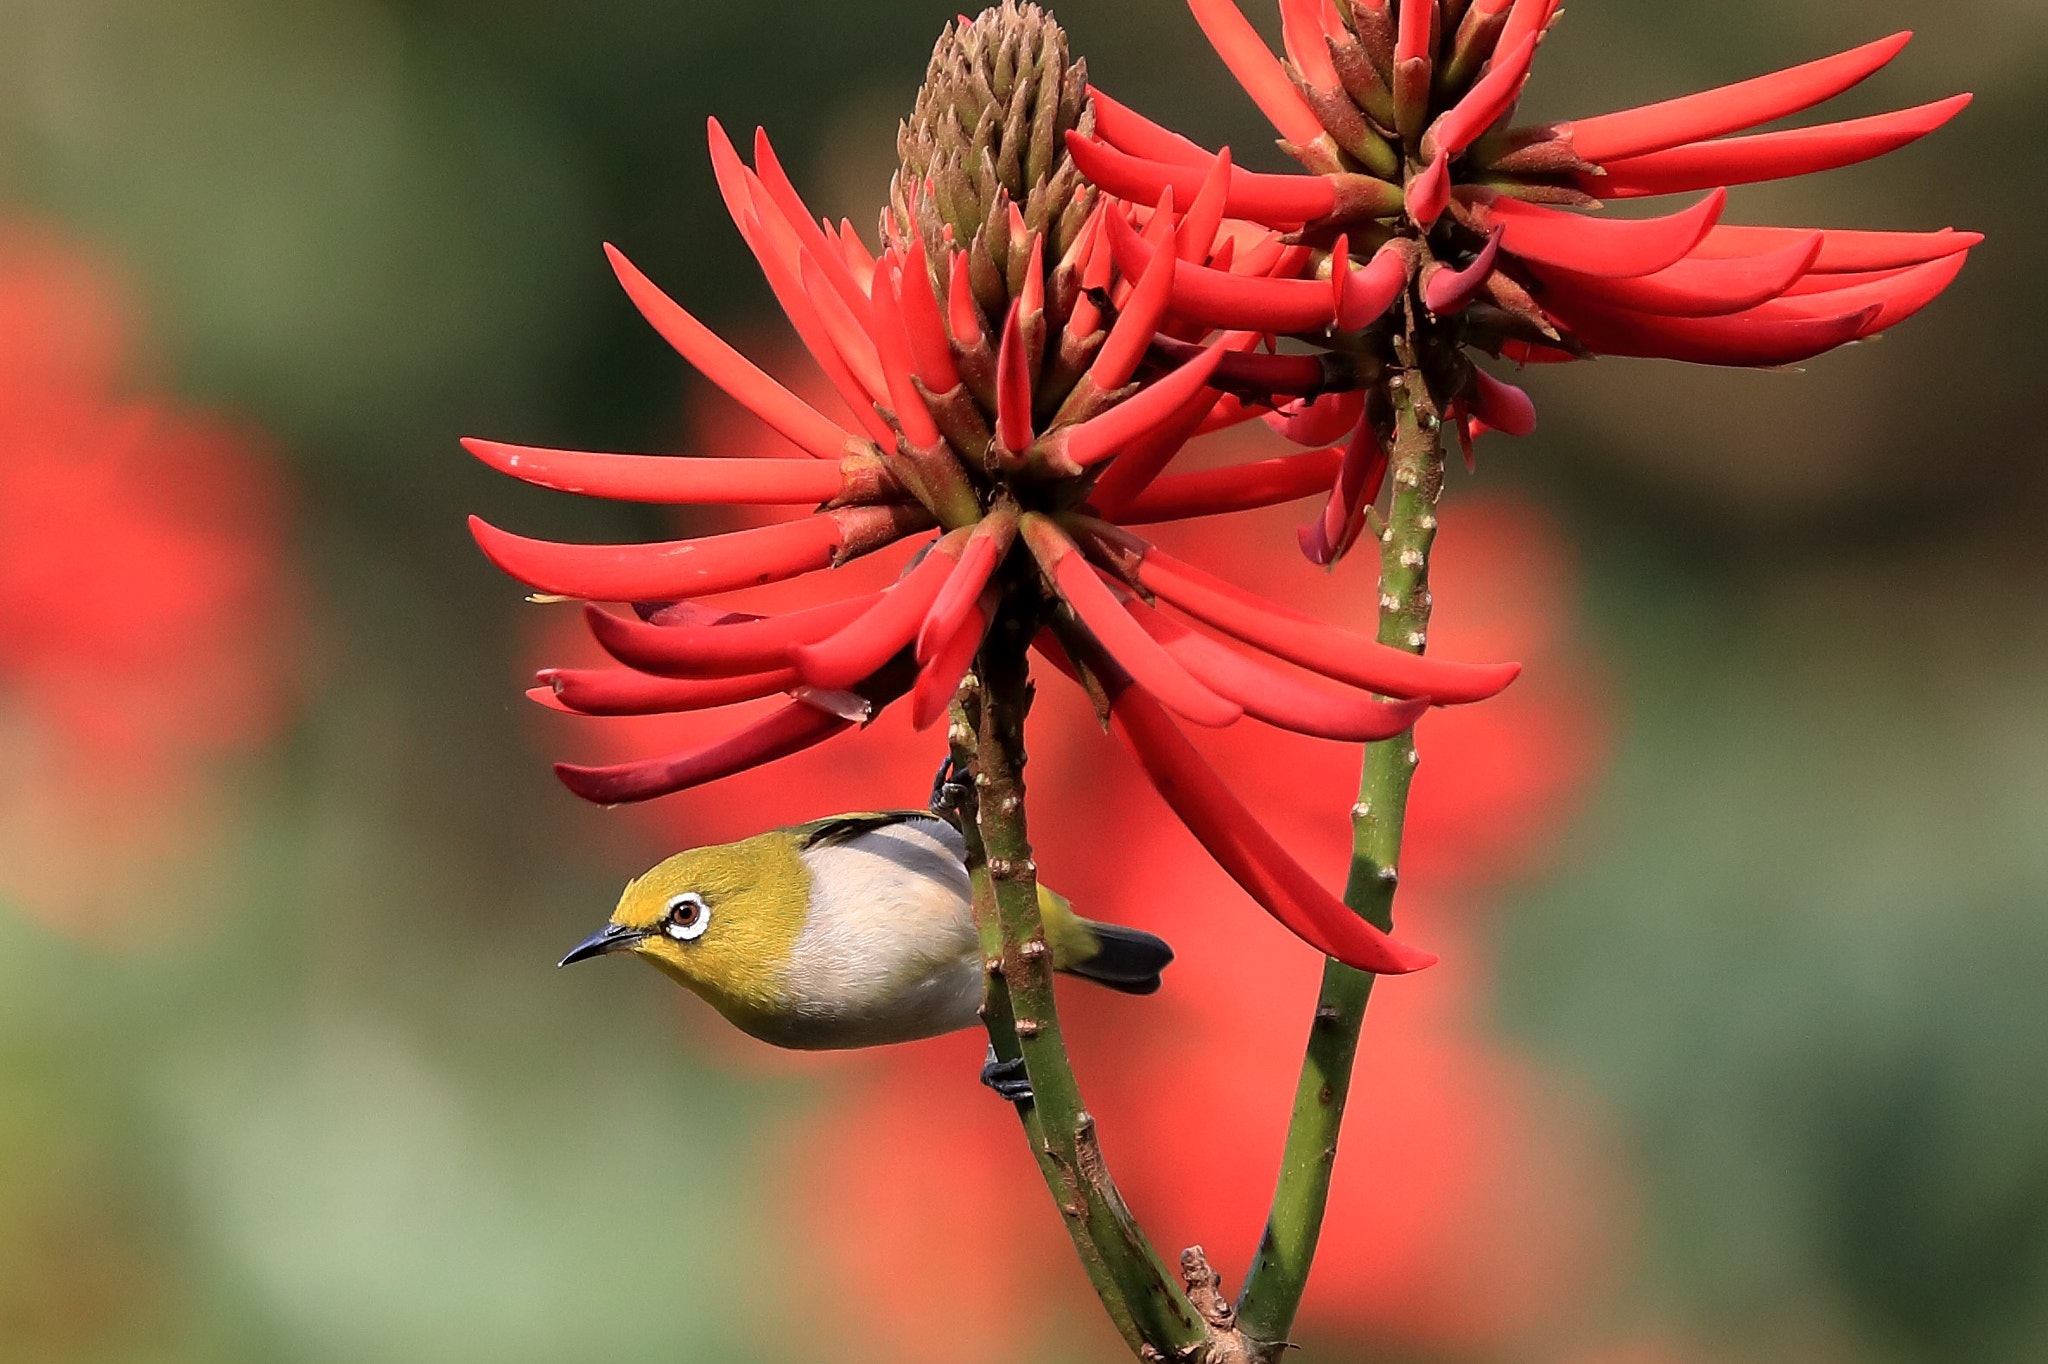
(1256, 69)
(1219, 299)
(720, 650)
(1267, 199)
(1320, 421)
(663, 572)
(1501, 406)
(1142, 312)
(1240, 487)
(1842, 251)
(962, 312)
(1133, 471)
(1013, 386)
(892, 340)
(1196, 235)
(1150, 666)
(924, 323)
(1490, 96)
(1896, 297)
(785, 282)
(939, 682)
(1314, 644)
(1100, 437)
(666, 478)
(860, 648)
(792, 729)
(1357, 485)
(1699, 286)
(1429, 193)
(831, 255)
(1530, 19)
(1743, 339)
(1129, 131)
(1301, 34)
(617, 691)
(1730, 108)
(1609, 248)
(1304, 705)
(1770, 156)
(1447, 291)
(985, 548)
(727, 368)
(1369, 292)
(1243, 847)
(849, 334)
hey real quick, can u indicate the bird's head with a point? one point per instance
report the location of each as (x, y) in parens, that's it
(723, 921)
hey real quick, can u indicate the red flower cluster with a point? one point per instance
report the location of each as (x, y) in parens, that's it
(1017, 374)
(1423, 191)
(141, 550)
(1478, 1217)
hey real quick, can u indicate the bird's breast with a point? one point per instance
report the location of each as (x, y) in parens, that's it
(888, 952)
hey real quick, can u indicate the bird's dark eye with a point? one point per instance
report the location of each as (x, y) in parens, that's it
(688, 916)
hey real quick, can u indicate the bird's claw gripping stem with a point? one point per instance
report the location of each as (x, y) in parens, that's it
(950, 787)
(1006, 1078)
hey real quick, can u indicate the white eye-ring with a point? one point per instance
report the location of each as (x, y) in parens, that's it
(688, 916)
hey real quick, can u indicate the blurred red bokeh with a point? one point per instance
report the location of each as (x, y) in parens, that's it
(1475, 1207)
(143, 629)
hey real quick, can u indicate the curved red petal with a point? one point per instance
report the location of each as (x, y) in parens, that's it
(1490, 96)
(1267, 199)
(1219, 299)
(618, 691)
(1742, 340)
(1770, 156)
(1316, 645)
(1728, 108)
(1100, 437)
(985, 549)
(1245, 849)
(1699, 286)
(726, 367)
(675, 479)
(857, 650)
(1842, 251)
(1240, 487)
(1150, 666)
(892, 341)
(1502, 406)
(720, 650)
(1257, 70)
(1447, 291)
(1305, 705)
(795, 727)
(1896, 297)
(664, 571)
(1129, 131)
(1608, 248)
(1370, 291)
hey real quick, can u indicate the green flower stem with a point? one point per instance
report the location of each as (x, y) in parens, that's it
(1148, 1306)
(1273, 1289)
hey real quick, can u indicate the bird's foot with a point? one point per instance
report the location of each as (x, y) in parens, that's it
(1006, 1078)
(950, 789)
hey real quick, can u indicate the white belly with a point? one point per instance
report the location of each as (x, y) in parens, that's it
(889, 952)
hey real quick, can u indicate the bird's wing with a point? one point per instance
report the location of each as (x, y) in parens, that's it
(839, 828)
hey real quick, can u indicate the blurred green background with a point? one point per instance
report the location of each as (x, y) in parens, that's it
(1795, 947)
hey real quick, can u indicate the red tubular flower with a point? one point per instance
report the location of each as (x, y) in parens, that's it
(1403, 113)
(1019, 369)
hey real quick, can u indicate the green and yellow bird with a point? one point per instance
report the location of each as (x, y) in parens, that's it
(853, 931)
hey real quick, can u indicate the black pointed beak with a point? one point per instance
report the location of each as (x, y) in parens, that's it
(610, 938)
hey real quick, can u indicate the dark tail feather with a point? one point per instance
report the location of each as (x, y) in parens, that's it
(1130, 959)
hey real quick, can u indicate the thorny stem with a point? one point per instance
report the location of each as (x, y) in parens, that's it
(1148, 1307)
(1273, 1289)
